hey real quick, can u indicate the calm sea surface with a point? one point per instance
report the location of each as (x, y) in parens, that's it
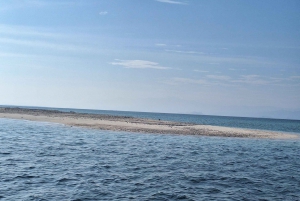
(44, 161)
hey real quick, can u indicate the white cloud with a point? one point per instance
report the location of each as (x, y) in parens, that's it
(103, 13)
(12, 5)
(29, 31)
(185, 52)
(201, 71)
(212, 59)
(295, 77)
(223, 80)
(188, 81)
(172, 2)
(139, 64)
(45, 3)
(160, 45)
(48, 45)
(13, 55)
(252, 79)
(219, 77)
(264, 80)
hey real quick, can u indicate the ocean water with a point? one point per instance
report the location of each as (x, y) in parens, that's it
(44, 161)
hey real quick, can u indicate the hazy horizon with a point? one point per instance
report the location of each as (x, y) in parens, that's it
(275, 115)
(224, 58)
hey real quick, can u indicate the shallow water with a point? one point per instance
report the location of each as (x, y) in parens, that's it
(43, 161)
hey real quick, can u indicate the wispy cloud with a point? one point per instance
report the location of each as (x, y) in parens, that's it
(9, 5)
(28, 31)
(13, 55)
(295, 77)
(48, 45)
(200, 71)
(40, 3)
(43, 38)
(204, 81)
(138, 64)
(160, 44)
(217, 59)
(177, 80)
(252, 79)
(219, 77)
(172, 2)
(223, 80)
(185, 52)
(103, 13)
(261, 80)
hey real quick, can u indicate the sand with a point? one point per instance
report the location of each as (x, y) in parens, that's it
(130, 124)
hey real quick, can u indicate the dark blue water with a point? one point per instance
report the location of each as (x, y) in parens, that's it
(284, 125)
(43, 161)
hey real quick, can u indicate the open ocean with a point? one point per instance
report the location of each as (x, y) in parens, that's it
(47, 161)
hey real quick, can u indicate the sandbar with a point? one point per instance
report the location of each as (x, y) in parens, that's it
(139, 125)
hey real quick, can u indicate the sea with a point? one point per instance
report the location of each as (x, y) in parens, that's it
(50, 161)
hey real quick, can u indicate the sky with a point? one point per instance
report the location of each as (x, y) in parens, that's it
(230, 58)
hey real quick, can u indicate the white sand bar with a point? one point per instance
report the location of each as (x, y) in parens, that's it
(130, 124)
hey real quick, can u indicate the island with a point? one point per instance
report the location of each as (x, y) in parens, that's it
(137, 125)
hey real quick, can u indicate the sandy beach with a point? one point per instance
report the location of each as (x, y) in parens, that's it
(130, 124)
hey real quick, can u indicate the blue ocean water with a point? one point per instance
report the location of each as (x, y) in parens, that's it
(44, 161)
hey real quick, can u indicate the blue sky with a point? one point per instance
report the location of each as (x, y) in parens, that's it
(236, 58)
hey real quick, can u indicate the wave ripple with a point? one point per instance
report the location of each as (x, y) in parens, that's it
(43, 161)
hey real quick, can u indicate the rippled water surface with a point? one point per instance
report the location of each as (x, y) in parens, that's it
(42, 161)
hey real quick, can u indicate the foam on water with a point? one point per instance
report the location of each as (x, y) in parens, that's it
(43, 161)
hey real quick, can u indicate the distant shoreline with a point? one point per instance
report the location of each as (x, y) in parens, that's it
(77, 110)
(131, 124)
